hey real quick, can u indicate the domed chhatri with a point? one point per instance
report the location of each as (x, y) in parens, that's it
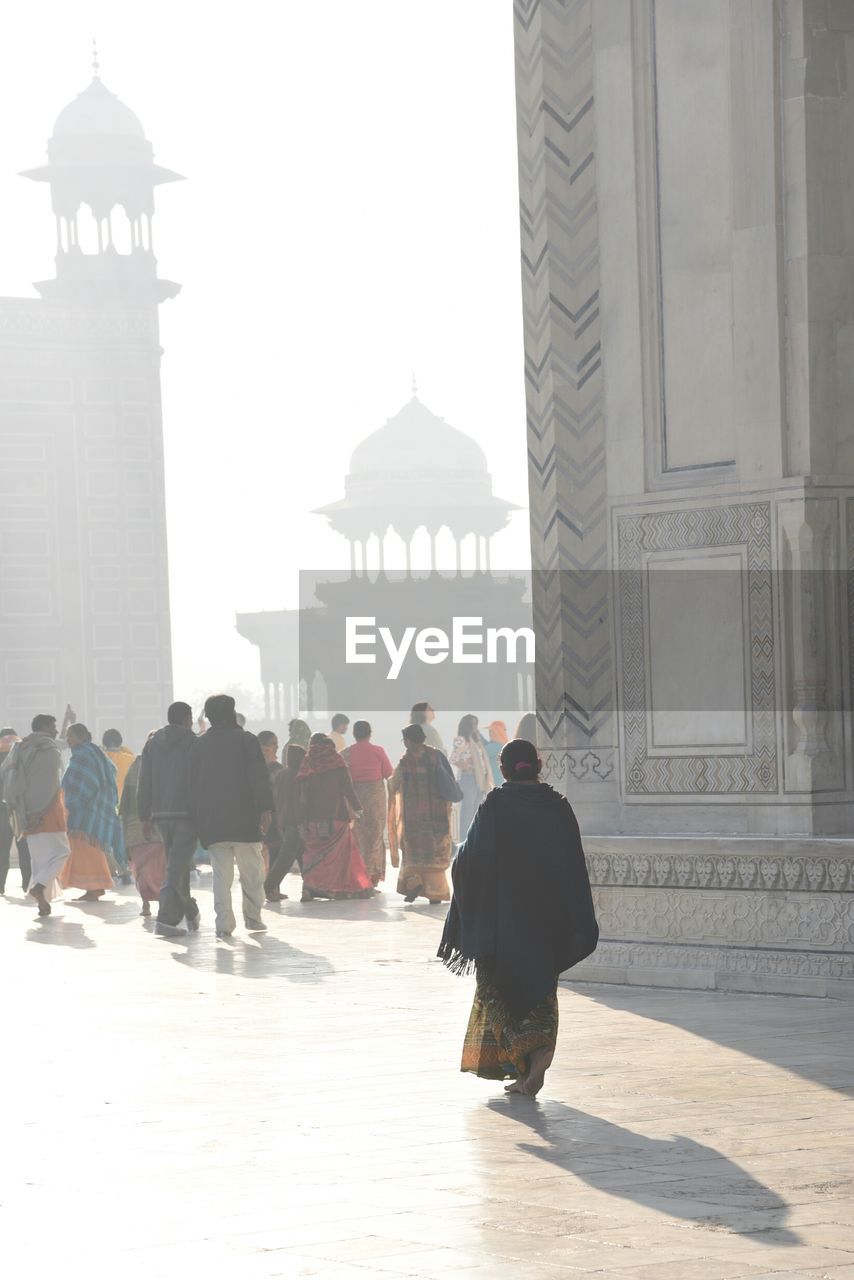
(414, 439)
(98, 112)
(102, 176)
(417, 472)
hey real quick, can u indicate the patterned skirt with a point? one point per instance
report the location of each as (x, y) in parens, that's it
(332, 866)
(370, 829)
(497, 1045)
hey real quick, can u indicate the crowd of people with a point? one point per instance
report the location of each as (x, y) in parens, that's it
(335, 807)
(331, 805)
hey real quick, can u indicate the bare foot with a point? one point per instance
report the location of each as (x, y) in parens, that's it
(541, 1060)
(146, 909)
(91, 895)
(37, 892)
(516, 1086)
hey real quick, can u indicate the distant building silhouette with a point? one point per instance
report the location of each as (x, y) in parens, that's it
(84, 603)
(415, 473)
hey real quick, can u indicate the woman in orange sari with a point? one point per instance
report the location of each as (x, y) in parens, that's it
(94, 830)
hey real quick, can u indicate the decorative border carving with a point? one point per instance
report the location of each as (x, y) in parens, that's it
(556, 115)
(591, 764)
(763, 872)
(754, 772)
(72, 324)
(796, 920)
(791, 964)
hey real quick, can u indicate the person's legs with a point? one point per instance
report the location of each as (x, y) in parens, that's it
(186, 840)
(288, 855)
(24, 863)
(50, 852)
(5, 847)
(250, 864)
(540, 1061)
(222, 864)
(179, 841)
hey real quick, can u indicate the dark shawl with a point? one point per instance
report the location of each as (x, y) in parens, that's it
(522, 910)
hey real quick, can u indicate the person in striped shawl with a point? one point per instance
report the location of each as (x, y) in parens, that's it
(94, 829)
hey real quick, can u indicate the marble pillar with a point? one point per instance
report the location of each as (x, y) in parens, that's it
(687, 264)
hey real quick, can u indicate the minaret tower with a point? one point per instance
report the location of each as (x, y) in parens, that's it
(102, 177)
(83, 519)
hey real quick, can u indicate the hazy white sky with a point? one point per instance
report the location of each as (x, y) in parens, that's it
(350, 216)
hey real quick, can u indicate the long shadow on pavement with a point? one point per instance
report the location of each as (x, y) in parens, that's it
(267, 957)
(352, 910)
(807, 1036)
(55, 931)
(111, 911)
(632, 1167)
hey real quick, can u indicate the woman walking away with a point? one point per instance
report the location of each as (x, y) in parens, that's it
(31, 779)
(146, 853)
(422, 713)
(474, 775)
(369, 767)
(497, 739)
(327, 806)
(420, 795)
(94, 830)
(287, 819)
(522, 913)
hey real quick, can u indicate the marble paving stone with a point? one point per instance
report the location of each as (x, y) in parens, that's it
(291, 1105)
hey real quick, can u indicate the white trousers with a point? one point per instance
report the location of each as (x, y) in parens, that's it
(250, 864)
(49, 852)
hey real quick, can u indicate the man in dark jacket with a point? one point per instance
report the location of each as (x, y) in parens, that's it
(232, 807)
(164, 798)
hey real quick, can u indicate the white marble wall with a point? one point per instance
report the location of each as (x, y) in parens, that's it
(717, 134)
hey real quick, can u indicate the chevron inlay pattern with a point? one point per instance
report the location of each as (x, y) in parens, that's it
(563, 368)
(745, 524)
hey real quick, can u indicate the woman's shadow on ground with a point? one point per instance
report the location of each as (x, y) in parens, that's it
(628, 1165)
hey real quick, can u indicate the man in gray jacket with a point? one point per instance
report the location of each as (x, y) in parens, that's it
(164, 799)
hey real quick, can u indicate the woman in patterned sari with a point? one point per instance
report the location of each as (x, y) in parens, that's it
(327, 806)
(420, 794)
(94, 830)
(474, 774)
(522, 913)
(369, 768)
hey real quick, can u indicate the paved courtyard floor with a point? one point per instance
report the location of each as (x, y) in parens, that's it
(290, 1105)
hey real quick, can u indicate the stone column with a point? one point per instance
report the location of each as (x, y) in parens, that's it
(556, 114)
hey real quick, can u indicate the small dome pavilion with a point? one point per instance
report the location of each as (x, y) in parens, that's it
(102, 176)
(417, 472)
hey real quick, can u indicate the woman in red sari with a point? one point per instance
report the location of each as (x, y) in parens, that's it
(326, 806)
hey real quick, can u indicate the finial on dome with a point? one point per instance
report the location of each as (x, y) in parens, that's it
(96, 66)
(414, 388)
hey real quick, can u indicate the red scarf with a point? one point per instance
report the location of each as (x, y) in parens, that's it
(321, 757)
